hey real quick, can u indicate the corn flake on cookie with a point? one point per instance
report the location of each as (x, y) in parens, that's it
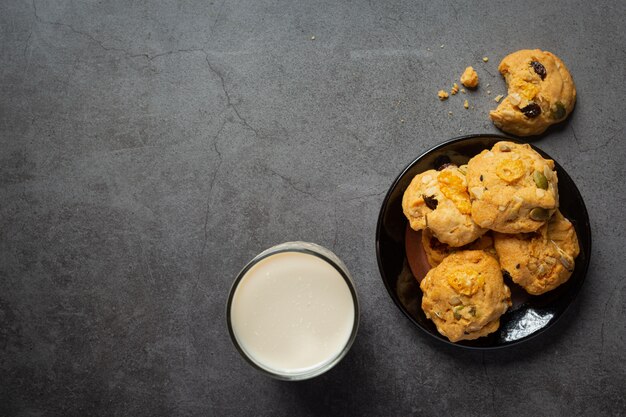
(512, 188)
(439, 200)
(541, 93)
(465, 295)
(541, 261)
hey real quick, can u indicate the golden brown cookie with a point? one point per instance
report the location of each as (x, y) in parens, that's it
(436, 251)
(439, 200)
(465, 295)
(540, 261)
(513, 189)
(541, 93)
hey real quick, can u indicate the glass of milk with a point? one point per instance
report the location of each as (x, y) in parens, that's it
(293, 311)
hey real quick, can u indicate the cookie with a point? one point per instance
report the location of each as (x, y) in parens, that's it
(465, 295)
(541, 93)
(541, 261)
(439, 200)
(513, 189)
(436, 251)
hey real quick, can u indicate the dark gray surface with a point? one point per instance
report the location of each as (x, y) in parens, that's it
(149, 150)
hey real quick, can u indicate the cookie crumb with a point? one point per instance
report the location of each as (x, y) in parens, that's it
(466, 104)
(455, 89)
(469, 78)
(498, 98)
(485, 59)
(463, 90)
(450, 113)
(312, 38)
(442, 95)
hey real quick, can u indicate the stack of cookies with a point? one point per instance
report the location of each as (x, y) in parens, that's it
(496, 215)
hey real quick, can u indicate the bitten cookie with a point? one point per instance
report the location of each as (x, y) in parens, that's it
(465, 295)
(512, 188)
(436, 251)
(541, 261)
(439, 200)
(541, 93)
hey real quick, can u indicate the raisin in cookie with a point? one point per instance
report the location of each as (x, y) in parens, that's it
(436, 251)
(439, 200)
(543, 260)
(541, 93)
(465, 295)
(512, 188)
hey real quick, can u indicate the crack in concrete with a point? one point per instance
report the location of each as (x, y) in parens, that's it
(455, 10)
(217, 17)
(575, 136)
(27, 43)
(360, 197)
(594, 148)
(296, 188)
(175, 51)
(229, 102)
(207, 211)
(27, 57)
(608, 141)
(70, 27)
(320, 199)
(212, 183)
(102, 45)
(488, 72)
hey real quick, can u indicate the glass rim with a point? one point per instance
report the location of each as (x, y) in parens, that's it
(309, 249)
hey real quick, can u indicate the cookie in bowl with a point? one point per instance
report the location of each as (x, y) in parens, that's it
(465, 295)
(513, 189)
(440, 201)
(437, 251)
(541, 92)
(541, 261)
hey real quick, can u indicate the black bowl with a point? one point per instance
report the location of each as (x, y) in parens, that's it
(526, 319)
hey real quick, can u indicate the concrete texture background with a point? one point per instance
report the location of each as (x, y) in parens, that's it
(149, 149)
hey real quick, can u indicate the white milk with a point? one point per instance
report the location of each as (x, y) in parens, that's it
(292, 312)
